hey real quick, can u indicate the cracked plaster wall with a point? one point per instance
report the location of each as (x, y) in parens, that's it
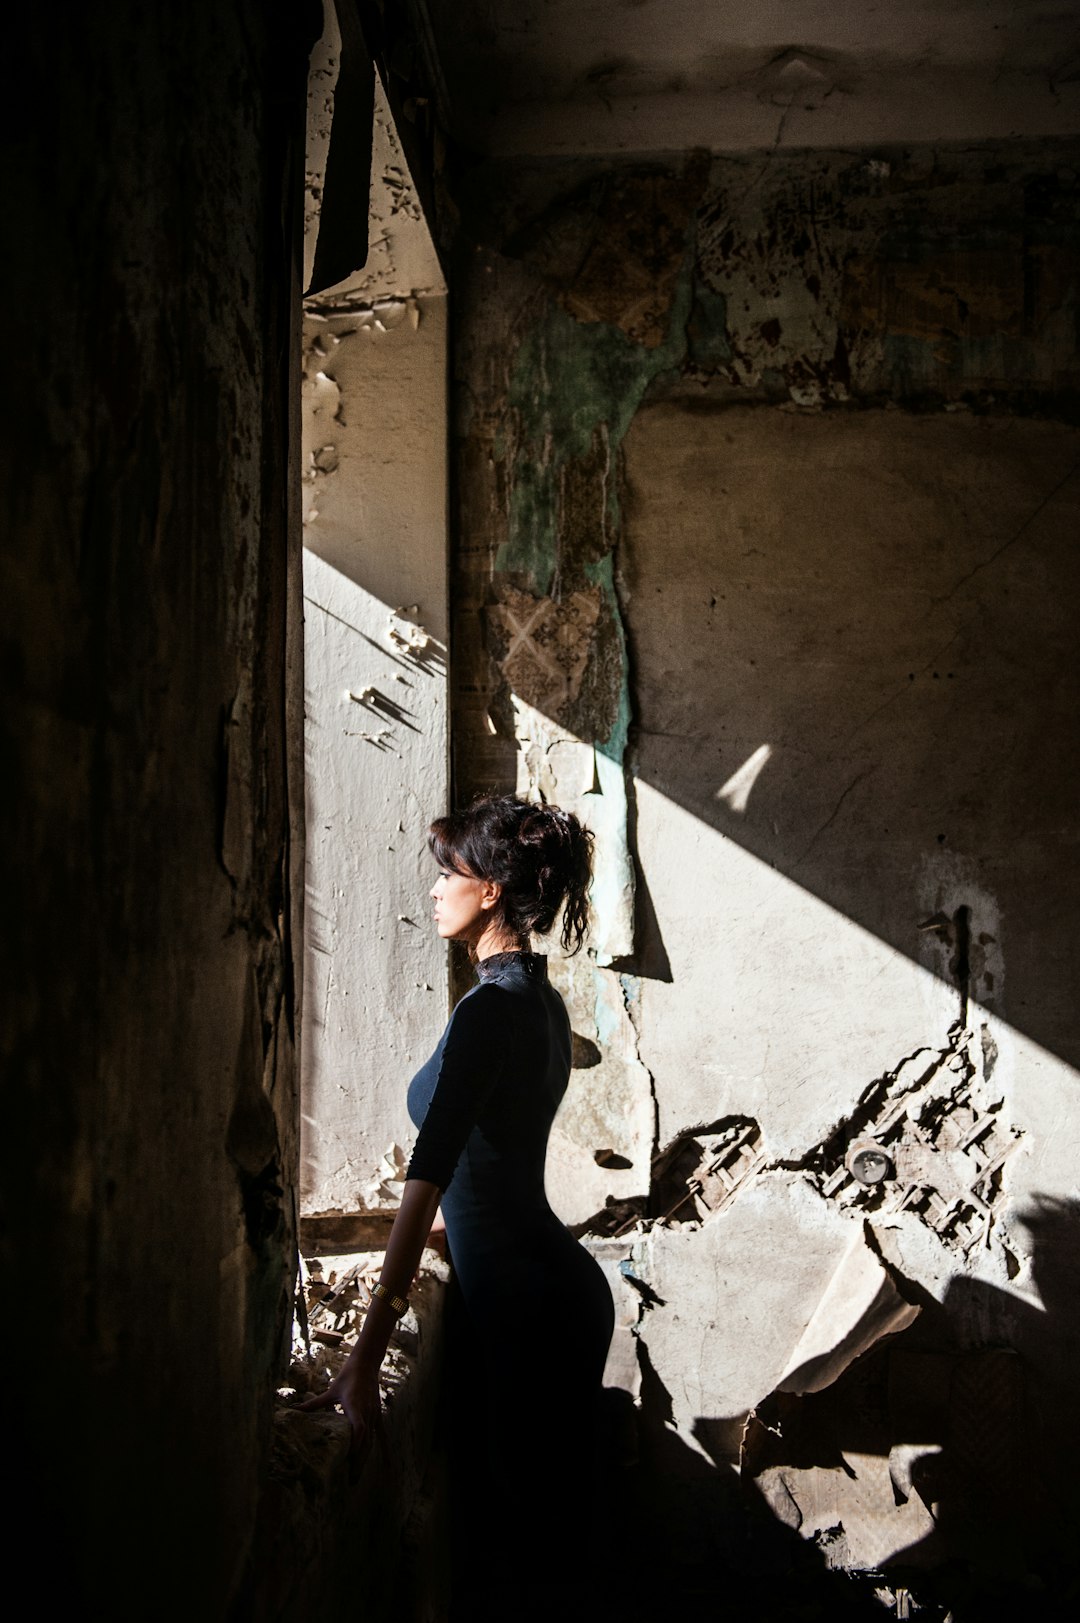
(767, 498)
(375, 495)
(152, 580)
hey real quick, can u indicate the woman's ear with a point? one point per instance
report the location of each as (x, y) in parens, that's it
(491, 892)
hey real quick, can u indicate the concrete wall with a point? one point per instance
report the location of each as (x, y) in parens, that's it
(152, 584)
(767, 472)
(375, 516)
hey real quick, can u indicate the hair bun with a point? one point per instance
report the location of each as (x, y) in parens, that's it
(540, 855)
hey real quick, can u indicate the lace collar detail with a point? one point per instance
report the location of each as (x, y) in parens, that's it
(533, 964)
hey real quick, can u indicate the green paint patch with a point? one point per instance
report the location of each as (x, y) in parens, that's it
(602, 574)
(567, 379)
(572, 382)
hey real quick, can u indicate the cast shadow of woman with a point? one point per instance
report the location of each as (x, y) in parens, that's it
(1003, 1486)
(977, 1408)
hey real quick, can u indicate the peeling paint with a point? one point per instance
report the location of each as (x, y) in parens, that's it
(323, 69)
(836, 278)
(563, 768)
(542, 645)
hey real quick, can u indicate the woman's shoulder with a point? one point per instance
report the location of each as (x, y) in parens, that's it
(485, 1003)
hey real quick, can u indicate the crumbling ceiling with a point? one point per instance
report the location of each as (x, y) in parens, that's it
(565, 76)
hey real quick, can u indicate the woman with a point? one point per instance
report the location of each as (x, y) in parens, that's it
(529, 1338)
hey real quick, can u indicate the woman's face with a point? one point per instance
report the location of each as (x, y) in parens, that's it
(462, 905)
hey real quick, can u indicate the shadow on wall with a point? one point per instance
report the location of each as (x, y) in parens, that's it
(944, 1410)
(850, 655)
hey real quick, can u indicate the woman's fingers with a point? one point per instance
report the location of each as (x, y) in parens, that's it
(363, 1415)
(324, 1400)
(362, 1410)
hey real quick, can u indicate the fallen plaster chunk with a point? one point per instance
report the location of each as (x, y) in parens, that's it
(330, 1316)
(860, 1304)
(851, 1514)
(734, 1297)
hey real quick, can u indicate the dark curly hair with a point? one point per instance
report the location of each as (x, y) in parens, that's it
(540, 856)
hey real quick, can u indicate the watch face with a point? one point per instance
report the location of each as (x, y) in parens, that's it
(398, 1304)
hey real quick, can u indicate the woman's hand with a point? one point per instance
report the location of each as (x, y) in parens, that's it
(356, 1389)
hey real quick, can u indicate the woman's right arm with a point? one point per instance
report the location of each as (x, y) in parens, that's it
(356, 1386)
(473, 1060)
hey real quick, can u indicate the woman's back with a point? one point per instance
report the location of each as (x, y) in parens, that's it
(487, 1099)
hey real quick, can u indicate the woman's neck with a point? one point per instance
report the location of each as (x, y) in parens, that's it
(493, 941)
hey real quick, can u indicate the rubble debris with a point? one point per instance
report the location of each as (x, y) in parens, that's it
(343, 1299)
(692, 1179)
(931, 1139)
(701, 1171)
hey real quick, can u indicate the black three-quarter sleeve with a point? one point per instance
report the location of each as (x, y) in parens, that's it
(475, 1059)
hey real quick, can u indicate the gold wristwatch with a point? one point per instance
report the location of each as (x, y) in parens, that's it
(397, 1304)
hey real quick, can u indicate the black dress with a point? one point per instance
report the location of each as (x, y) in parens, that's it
(529, 1335)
